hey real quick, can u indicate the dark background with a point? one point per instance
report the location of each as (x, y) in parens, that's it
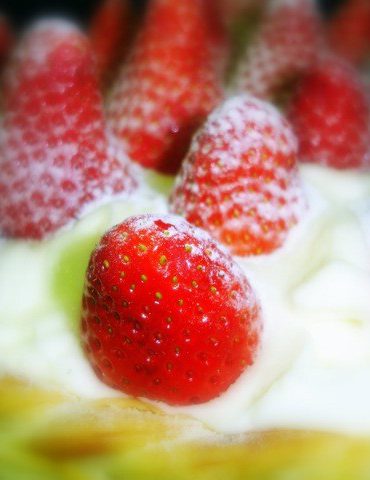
(22, 12)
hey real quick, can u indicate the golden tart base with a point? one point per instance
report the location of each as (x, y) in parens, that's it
(47, 435)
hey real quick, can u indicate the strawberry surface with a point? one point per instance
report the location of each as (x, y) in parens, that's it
(172, 81)
(166, 313)
(54, 150)
(240, 180)
(110, 34)
(349, 31)
(330, 113)
(6, 38)
(284, 46)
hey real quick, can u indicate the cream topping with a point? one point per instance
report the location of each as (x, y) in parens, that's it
(313, 370)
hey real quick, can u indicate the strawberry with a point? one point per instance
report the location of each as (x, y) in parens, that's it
(240, 180)
(218, 38)
(172, 81)
(110, 34)
(349, 31)
(6, 38)
(53, 148)
(330, 113)
(167, 314)
(283, 48)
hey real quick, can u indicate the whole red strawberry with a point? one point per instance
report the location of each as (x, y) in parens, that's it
(167, 315)
(284, 47)
(172, 81)
(53, 149)
(110, 34)
(330, 114)
(349, 31)
(240, 180)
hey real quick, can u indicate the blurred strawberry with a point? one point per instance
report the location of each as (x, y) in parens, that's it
(6, 38)
(349, 31)
(284, 47)
(240, 179)
(110, 33)
(53, 149)
(172, 81)
(217, 35)
(330, 113)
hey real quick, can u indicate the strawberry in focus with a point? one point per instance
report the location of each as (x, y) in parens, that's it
(53, 149)
(349, 31)
(330, 113)
(173, 79)
(240, 179)
(284, 47)
(110, 34)
(167, 314)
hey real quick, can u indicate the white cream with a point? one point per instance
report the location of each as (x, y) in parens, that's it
(314, 367)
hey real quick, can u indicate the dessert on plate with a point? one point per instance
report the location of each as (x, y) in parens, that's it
(215, 322)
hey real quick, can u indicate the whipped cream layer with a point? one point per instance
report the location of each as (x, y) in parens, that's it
(313, 369)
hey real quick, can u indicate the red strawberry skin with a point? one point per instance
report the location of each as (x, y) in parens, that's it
(240, 180)
(110, 33)
(330, 113)
(285, 46)
(172, 81)
(6, 38)
(167, 315)
(349, 31)
(54, 151)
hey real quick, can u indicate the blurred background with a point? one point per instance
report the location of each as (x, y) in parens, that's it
(21, 12)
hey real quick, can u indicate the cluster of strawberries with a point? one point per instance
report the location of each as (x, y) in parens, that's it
(169, 109)
(57, 149)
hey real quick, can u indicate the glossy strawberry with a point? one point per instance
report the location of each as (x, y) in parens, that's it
(349, 31)
(53, 149)
(330, 114)
(240, 180)
(110, 34)
(167, 315)
(283, 47)
(172, 81)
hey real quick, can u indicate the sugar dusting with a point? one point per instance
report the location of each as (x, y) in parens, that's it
(312, 371)
(284, 46)
(201, 242)
(170, 83)
(240, 176)
(55, 153)
(331, 116)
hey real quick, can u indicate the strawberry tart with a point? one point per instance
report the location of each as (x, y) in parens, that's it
(184, 266)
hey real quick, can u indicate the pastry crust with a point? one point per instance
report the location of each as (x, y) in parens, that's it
(47, 435)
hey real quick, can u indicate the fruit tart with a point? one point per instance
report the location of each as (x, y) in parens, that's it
(184, 267)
